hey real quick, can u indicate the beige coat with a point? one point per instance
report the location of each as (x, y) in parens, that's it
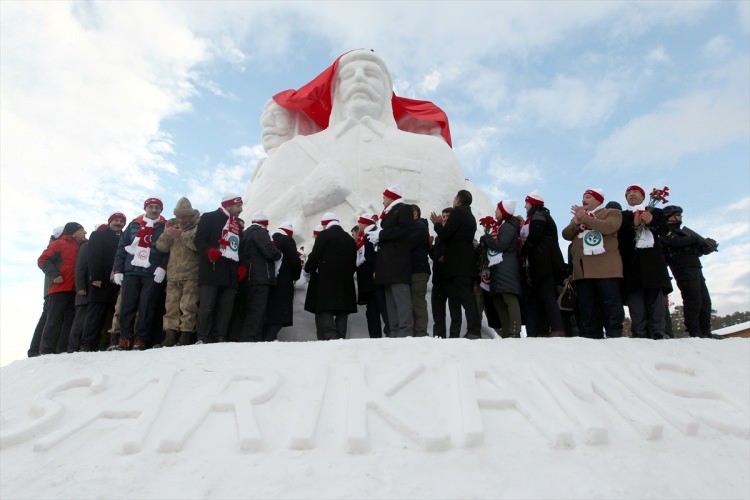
(606, 265)
(183, 256)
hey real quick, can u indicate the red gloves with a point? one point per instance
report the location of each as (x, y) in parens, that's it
(241, 272)
(214, 254)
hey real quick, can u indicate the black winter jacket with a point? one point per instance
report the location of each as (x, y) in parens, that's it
(393, 264)
(259, 254)
(458, 242)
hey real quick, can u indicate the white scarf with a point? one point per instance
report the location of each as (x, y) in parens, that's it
(593, 240)
(646, 237)
(140, 249)
(229, 243)
(361, 250)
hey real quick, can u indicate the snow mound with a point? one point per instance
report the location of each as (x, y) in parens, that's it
(382, 418)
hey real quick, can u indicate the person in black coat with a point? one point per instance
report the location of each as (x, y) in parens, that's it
(544, 268)
(683, 249)
(393, 261)
(217, 239)
(279, 312)
(460, 258)
(370, 295)
(102, 291)
(420, 270)
(440, 294)
(644, 268)
(505, 276)
(333, 260)
(260, 257)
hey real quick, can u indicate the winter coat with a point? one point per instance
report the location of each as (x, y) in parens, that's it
(259, 255)
(606, 265)
(682, 251)
(223, 271)
(183, 254)
(458, 239)
(101, 250)
(505, 277)
(393, 264)
(419, 236)
(643, 267)
(437, 253)
(541, 249)
(281, 299)
(123, 260)
(365, 272)
(333, 258)
(59, 259)
(82, 275)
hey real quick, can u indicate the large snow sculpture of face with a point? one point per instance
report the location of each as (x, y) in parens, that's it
(361, 87)
(278, 126)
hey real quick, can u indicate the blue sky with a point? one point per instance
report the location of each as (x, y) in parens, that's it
(105, 104)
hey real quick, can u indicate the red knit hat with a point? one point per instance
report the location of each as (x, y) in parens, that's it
(596, 193)
(117, 215)
(635, 187)
(317, 230)
(153, 201)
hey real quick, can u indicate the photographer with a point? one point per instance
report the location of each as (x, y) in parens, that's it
(683, 248)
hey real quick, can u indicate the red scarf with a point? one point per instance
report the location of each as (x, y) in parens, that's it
(230, 237)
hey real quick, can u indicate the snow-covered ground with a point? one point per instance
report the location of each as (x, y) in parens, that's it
(382, 418)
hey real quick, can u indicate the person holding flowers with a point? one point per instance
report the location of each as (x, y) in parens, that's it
(504, 265)
(645, 276)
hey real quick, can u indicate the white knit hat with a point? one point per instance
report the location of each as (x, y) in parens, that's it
(535, 198)
(57, 232)
(507, 208)
(328, 217)
(393, 192)
(597, 193)
(287, 227)
(259, 217)
(230, 199)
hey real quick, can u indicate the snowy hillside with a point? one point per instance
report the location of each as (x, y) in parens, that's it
(385, 418)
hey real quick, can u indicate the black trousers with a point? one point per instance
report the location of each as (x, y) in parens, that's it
(375, 311)
(540, 310)
(461, 289)
(604, 293)
(331, 325)
(696, 303)
(60, 312)
(647, 313)
(96, 314)
(214, 312)
(36, 339)
(256, 302)
(76, 329)
(141, 296)
(437, 301)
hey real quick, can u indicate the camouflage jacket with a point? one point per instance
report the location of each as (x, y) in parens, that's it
(183, 255)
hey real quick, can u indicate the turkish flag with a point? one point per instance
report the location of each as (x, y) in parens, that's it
(314, 99)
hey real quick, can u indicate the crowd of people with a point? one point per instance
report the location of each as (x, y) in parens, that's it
(205, 278)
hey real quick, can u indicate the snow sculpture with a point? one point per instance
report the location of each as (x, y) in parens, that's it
(345, 167)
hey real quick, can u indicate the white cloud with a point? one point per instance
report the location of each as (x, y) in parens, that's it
(503, 174)
(208, 185)
(83, 92)
(658, 55)
(717, 47)
(700, 121)
(430, 82)
(569, 102)
(743, 9)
